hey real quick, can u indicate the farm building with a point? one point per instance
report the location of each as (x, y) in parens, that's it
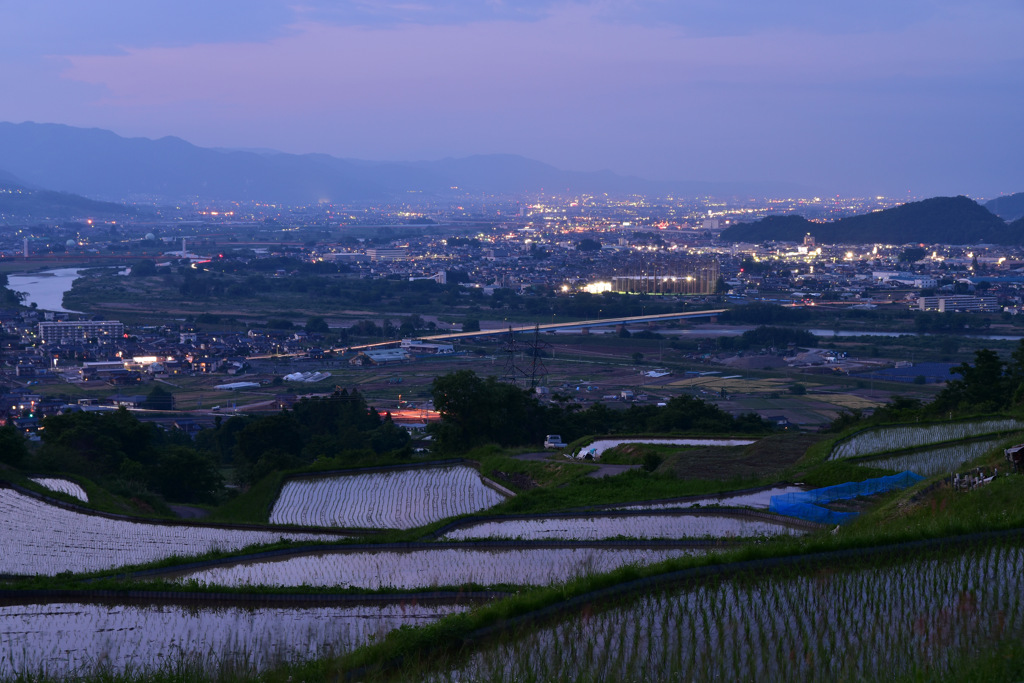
(421, 347)
(380, 357)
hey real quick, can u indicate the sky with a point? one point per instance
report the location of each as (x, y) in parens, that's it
(889, 97)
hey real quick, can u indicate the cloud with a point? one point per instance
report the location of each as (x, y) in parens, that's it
(669, 89)
(485, 65)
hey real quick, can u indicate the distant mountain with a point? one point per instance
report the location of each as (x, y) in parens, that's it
(950, 220)
(100, 164)
(1008, 207)
(19, 203)
(11, 179)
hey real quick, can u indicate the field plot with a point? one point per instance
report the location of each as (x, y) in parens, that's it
(67, 639)
(590, 528)
(733, 385)
(394, 499)
(596, 448)
(428, 568)
(918, 615)
(847, 401)
(941, 460)
(751, 499)
(883, 439)
(64, 486)
(38, 538)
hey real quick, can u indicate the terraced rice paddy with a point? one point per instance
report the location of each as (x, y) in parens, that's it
(394, 499)
(596, 448)
(898, 437)
(757, 500)
(64, 486)
(941, 460)
(871, 624)
(632, 526)
(419, 569)
(65, 639)
(41, 539)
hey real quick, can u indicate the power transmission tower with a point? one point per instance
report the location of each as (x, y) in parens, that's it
(537, 349)
(531, 371)
(512, 372)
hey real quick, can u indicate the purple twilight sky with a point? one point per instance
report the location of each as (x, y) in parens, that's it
(914, 96)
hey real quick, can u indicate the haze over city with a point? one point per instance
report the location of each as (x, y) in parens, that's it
(906, 99)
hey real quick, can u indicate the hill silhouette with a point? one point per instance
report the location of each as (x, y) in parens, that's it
(949, 220)
(19, 203)
(1009, 207)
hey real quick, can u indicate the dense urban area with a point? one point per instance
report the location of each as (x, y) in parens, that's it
(493, 419)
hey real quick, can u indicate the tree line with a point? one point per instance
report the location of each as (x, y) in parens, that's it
(476, 411)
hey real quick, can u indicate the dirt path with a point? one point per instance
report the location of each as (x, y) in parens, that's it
(601, 471)
(189, 511)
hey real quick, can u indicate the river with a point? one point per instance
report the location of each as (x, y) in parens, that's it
(45, 288)
(736, 330)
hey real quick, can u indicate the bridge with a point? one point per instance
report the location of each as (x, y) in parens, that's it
(546, 327)
(580, 324)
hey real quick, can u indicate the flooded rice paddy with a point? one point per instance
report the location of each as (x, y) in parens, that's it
(394, 499)
(632, 526)
(429, 568)
(64, 639)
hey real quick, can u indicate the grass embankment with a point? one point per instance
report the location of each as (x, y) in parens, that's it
(870, 543)
(145, 504)
(924, 512)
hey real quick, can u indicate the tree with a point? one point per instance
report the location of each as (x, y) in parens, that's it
(269, 443)
(652, 461)
(144, 268)
(317, 325)
(13, 450)
(470, 325)
(159, 399)
(588, 244)
(912, 254)
(983, 386)
(183, 474)
(476, 411)
(797, 389)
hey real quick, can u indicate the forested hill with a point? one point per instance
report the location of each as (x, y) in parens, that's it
(950, 220)
(1010, 207)
(20, 203)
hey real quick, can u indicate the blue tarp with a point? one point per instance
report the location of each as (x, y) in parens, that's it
(803, 504)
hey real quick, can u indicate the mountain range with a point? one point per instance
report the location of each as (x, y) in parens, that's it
(939, 220)
(100, 164)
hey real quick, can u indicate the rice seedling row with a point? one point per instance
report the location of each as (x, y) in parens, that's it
(583, 528)
(883, 439)
(427, 568)
(64, 486)
(397, 499)
(37, 538)
(917, 616)
(64, 640)
(941, 460)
